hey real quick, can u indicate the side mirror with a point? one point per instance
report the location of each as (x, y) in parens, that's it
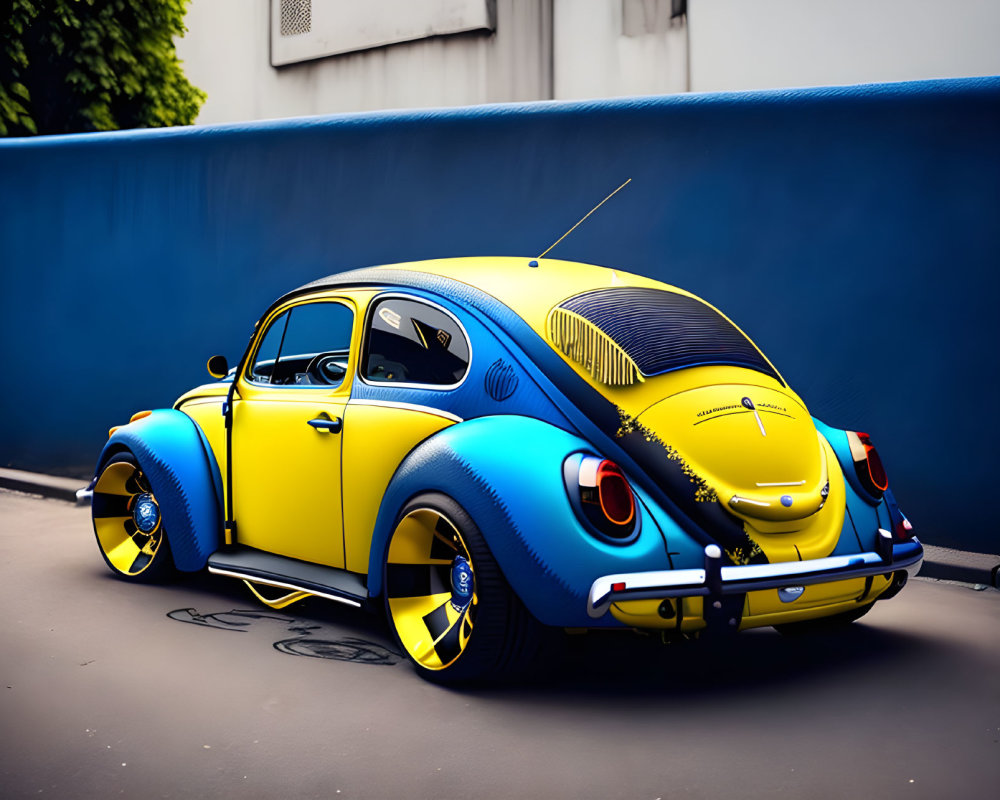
(218, 366)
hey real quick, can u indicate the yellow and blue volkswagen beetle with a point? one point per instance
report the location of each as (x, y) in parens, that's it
(488, 446)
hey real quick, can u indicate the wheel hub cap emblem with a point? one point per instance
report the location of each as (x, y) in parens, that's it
(461, 583)
(146, 514)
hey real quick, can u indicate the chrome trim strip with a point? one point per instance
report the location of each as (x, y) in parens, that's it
(602, 594)
(437, 412)
(268, 582)
(791, 569)
(737, 580)
(735, 500)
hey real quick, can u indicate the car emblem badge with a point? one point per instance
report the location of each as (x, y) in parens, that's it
(748, 403)
(146, 514)
(461, 583)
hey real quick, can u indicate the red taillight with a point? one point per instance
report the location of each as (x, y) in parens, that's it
(903, 530)
(867, 463)
(875, 469)
(605, 498)
(614, 494)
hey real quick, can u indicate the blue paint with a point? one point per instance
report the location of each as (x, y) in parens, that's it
(185, 479)
(851, 232)
(501, 380)
(506, 472)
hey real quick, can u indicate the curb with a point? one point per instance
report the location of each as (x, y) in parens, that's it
(45, 485)
(942, 563)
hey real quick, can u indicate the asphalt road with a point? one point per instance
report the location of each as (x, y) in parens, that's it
(193, 690)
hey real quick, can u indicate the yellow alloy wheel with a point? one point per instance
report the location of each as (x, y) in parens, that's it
(128, 523)
(448, 602)
(431, 588)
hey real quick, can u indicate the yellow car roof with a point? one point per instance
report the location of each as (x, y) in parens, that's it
(531, 291)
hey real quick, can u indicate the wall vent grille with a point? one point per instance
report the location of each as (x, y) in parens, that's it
(296, 17)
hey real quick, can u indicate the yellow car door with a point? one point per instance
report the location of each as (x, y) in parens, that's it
(287, 425)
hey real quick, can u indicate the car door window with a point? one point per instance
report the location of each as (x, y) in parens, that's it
(307, 345)
(412, 342)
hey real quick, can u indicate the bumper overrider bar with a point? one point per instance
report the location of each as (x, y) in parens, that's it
(716, 580)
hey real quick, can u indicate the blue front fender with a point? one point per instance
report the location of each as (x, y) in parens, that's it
(172, 451)
(507, 473)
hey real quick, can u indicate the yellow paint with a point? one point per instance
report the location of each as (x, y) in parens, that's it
(818, 596)
(534, 291)
(641, 614)
(278, 603)
(816, 602)
(411, 541)
(376, 439)
(814, 536)
(590, 347)
(729, 450)
(722, 454)
(761, 609)
(796, 615)
(113, 536)
(644, 614)
(407, 617)
(207, 391)
(286, 474)
(411, 544)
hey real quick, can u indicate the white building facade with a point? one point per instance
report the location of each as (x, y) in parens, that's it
(260, 59)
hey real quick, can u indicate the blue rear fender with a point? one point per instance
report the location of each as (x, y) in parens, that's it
(174, 454)
(507, 473)
(864, 513)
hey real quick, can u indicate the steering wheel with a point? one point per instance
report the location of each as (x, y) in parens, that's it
(327, 368)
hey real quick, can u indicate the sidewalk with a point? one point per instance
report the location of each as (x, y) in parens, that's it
(942, 563)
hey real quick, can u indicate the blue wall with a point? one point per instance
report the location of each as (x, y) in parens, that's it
(853, 233)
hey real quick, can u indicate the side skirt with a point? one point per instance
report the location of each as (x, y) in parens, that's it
(298, 577)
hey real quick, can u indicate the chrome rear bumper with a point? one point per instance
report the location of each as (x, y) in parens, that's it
(716, 580)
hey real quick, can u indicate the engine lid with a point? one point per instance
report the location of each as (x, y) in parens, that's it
(756, 446)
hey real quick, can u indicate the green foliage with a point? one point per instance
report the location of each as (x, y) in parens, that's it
(93, 65)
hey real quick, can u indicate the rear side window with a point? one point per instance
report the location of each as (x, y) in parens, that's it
(410, 341)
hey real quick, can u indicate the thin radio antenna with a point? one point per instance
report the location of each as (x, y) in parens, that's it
(586, 215)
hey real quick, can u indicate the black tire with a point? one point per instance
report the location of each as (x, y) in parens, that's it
(823, 625)
(130, 553)
(489, 636)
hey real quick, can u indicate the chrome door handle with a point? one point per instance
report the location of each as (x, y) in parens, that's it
(323, 424)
